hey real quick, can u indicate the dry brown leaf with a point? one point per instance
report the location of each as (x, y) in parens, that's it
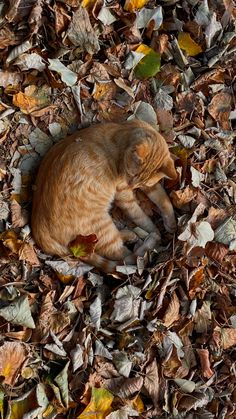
(19, 216)
(216, 251)
(172, 312)
(32, 99)
(172, 365)
(12, 357)
(27, 253)
(7, 37)
(151, 381)
(182, 197)
(216, 216)
(81, 33)
(224, 337)
(205, 363)
(219, 108)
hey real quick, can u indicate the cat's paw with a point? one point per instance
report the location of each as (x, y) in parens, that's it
(128, 236)
(170, 225)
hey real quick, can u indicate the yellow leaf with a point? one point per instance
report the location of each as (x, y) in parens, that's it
(138, 404)
(65, 279)
(88, 4)
(101, 91)
(131, 5)
(10, 240)
(99, 406)
(144, 49)
(188, 44)
(32, 99)
(19, 407)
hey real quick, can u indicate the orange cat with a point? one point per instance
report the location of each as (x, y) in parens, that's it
(80, 178)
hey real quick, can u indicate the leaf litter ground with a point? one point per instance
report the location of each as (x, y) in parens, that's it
(157, 339)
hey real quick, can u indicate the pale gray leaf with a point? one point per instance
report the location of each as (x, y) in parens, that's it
(122, 363)
(226, 233)
(40, 141)
(64, 268)
(18, 50)
(126, 269)
(18, 312)
(105, 16)
(199, 235)
(27, 61)
(145, 112)
(220, 175)
(203, 14)
(187, 386)
(233, 320)
(95, 311)
(186, 140)
(29, 162)
(212, 29)
(101, 350)
(144, 16)
(62, 381)
(77, 357)
(197, 177)
(133, 59)
(56, 131)
(67, 76)
(163, 100)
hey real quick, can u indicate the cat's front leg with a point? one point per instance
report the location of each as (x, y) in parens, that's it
(125, 200)
(158, 195)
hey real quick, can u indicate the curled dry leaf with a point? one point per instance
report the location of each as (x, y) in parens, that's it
(224, 337)
(220, 107)
(216, 251)
(172, 312)
(19, 216)
(205, 363)
(12, 357)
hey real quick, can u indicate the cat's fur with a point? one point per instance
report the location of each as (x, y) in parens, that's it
(82, 175)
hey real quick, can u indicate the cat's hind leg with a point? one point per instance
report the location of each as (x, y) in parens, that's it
(158, 195)
(125, 200)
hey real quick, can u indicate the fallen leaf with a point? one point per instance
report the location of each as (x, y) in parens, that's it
(172, 313)
(197, 234)
(99, 406)
(18, 312)
(27, 61)
(225, 336)
(19, 216)
(226, 233)
(83, 245)
(205, 363)
(81, 32)
(131, 5)
(68, 77)
(186, 386)
(149, 65)
(220, 107)
(188, 44)
(12, 357)
(33, 98)
(27, 253)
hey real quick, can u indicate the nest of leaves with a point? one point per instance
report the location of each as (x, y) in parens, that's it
(157, 339)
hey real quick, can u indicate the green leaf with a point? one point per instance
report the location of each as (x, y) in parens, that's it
(149, 65)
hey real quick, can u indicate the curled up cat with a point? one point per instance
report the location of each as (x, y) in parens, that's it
(81, 176)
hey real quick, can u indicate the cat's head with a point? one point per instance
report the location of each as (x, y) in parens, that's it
(147, 158)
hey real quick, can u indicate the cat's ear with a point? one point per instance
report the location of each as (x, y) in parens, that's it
(168, 168)
(135, 157)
